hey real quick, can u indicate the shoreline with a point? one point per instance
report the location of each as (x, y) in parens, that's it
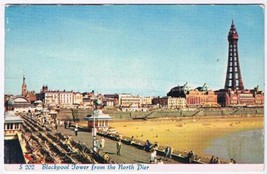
(185, 134)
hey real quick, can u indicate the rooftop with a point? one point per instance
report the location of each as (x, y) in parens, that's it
(10, 117)
(98, 116)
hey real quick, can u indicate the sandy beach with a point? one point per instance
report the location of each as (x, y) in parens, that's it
(185, 134)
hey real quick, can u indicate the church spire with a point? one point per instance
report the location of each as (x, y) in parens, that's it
(24, 87)
(23, 79)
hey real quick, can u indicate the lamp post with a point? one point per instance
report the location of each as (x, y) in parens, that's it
(97, 103)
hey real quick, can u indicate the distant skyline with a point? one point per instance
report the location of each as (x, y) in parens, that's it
(138, 49)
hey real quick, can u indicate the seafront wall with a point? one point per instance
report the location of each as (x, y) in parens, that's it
(183, 113)
(79, 114)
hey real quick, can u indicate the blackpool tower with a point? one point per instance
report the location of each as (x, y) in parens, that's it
(233, 79)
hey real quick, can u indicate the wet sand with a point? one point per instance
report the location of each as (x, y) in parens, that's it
(187, 134)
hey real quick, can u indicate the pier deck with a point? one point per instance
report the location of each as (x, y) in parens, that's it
(129, 154)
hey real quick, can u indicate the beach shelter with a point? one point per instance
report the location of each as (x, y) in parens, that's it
(101, 120)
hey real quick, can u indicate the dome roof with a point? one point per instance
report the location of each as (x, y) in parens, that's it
(10, 102)
(178, 91)
(20, 99)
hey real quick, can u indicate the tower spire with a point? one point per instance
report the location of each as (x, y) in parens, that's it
(24, 87)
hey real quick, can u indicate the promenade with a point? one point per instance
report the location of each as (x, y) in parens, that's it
(129, 154)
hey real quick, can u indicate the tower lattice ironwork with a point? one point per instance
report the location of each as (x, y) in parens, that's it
(233, 75)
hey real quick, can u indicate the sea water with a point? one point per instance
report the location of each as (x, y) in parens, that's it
(245, 147)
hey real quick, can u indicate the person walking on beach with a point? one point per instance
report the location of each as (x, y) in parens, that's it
(155, 146)
(132, 140)
(231, 161)
(153, 157)
(76, 131)
(147, 146)
(190, 156)
(212, 160)
(217, 161)
(119, 147)
(102, 143)
(167, 151)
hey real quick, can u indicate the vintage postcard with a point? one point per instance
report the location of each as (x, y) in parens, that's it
(133, 88)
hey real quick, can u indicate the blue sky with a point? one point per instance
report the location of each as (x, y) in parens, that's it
(138, 49)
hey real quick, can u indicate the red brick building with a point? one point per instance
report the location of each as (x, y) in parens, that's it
(246, 98)
(196, 98)
(199, 97)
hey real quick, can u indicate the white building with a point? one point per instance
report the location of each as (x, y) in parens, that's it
(51, 97)
(12, 125)
(175, 103)
(145, 101)
(38, 105)
(170, 102)
(59, 98)
(77, 98)
(66, 98)
(128, 100)
(20, 104)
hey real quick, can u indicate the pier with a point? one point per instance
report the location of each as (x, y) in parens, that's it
(47, 144)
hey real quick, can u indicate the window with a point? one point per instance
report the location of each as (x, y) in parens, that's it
(16, 125)
(9, 125)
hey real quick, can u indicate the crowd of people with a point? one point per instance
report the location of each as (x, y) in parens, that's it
(216, 160)
(148, 146)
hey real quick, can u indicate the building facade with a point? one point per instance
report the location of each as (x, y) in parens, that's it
(237, 98)
(198, 97)
(51, 98)
(170, 102)
(66, 98)
(77, 98)
(128, 101)
(111, 100)
(19, 104)
(145, 101)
